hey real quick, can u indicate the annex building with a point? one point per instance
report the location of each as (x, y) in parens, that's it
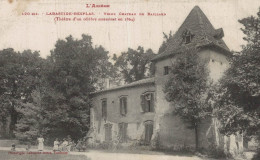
(139, 112)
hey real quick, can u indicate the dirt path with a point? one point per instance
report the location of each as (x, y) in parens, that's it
(99, 155)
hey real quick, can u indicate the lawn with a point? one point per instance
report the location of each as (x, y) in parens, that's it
(5, 155)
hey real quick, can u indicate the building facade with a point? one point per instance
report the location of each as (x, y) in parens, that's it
(139, 112)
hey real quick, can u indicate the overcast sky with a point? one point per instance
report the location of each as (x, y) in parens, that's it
(41, 32)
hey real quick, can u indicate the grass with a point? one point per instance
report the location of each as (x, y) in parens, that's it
(5, 155)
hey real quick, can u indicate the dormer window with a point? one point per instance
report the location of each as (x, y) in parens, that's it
(187, 39)
(187, 36)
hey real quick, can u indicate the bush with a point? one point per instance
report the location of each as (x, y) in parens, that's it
(216, 152)
(257, 155)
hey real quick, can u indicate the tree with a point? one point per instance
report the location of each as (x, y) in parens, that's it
(187, 89)
(238, 97)
(134, 65)
(166, 40)
(29, 124)
(18, 78)
(75, 66)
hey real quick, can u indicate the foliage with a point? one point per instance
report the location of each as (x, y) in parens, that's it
(30, 122)
(51, 96)
(240, 87)
(134, 65)
(166, 40)
(187, 88)
(75, 66)
(238, 97)
(18, 78)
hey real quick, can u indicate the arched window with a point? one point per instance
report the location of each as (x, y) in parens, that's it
(108, 132)
(122, 132)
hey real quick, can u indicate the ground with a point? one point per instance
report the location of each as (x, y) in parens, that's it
(91, 154)
(94, 155)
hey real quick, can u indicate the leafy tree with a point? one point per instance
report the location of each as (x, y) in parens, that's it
(166, 40)
(134, 64)
(238, 99)
(29, 124)
(75, 67)
(187, 89)
(18, 72)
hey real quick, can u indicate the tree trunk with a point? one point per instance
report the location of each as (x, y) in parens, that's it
(196, 137)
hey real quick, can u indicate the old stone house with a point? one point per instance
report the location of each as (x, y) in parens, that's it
(139, 111)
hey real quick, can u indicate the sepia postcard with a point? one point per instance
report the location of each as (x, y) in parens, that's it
(129, 79)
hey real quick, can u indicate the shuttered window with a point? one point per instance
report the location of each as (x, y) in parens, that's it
(123, 106)
(104, 109)
(148, 132)
(122, 132)
(147, 102)
(108, 132)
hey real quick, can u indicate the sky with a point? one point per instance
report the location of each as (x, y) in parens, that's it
(40, 32)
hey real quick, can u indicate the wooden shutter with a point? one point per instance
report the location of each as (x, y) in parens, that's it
(142, 103)
(152, 102)
(120, 107)
(120, 132)
(148, 132)
(104, 109)
(125, 132)
(146, 104)
(125, 105)
(108, 132)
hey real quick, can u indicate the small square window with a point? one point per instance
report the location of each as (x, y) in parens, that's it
(166, 70)
(212, 60)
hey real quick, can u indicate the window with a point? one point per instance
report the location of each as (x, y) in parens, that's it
(108, 132)
(147, 102)
(104, 108)
(166, 70)
(123, 106)
(148, 132)
(187, 36)
(187, 39)
(122, 133)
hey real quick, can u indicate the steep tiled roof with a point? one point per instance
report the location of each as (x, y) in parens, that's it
(202, 31)
(133, 84)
